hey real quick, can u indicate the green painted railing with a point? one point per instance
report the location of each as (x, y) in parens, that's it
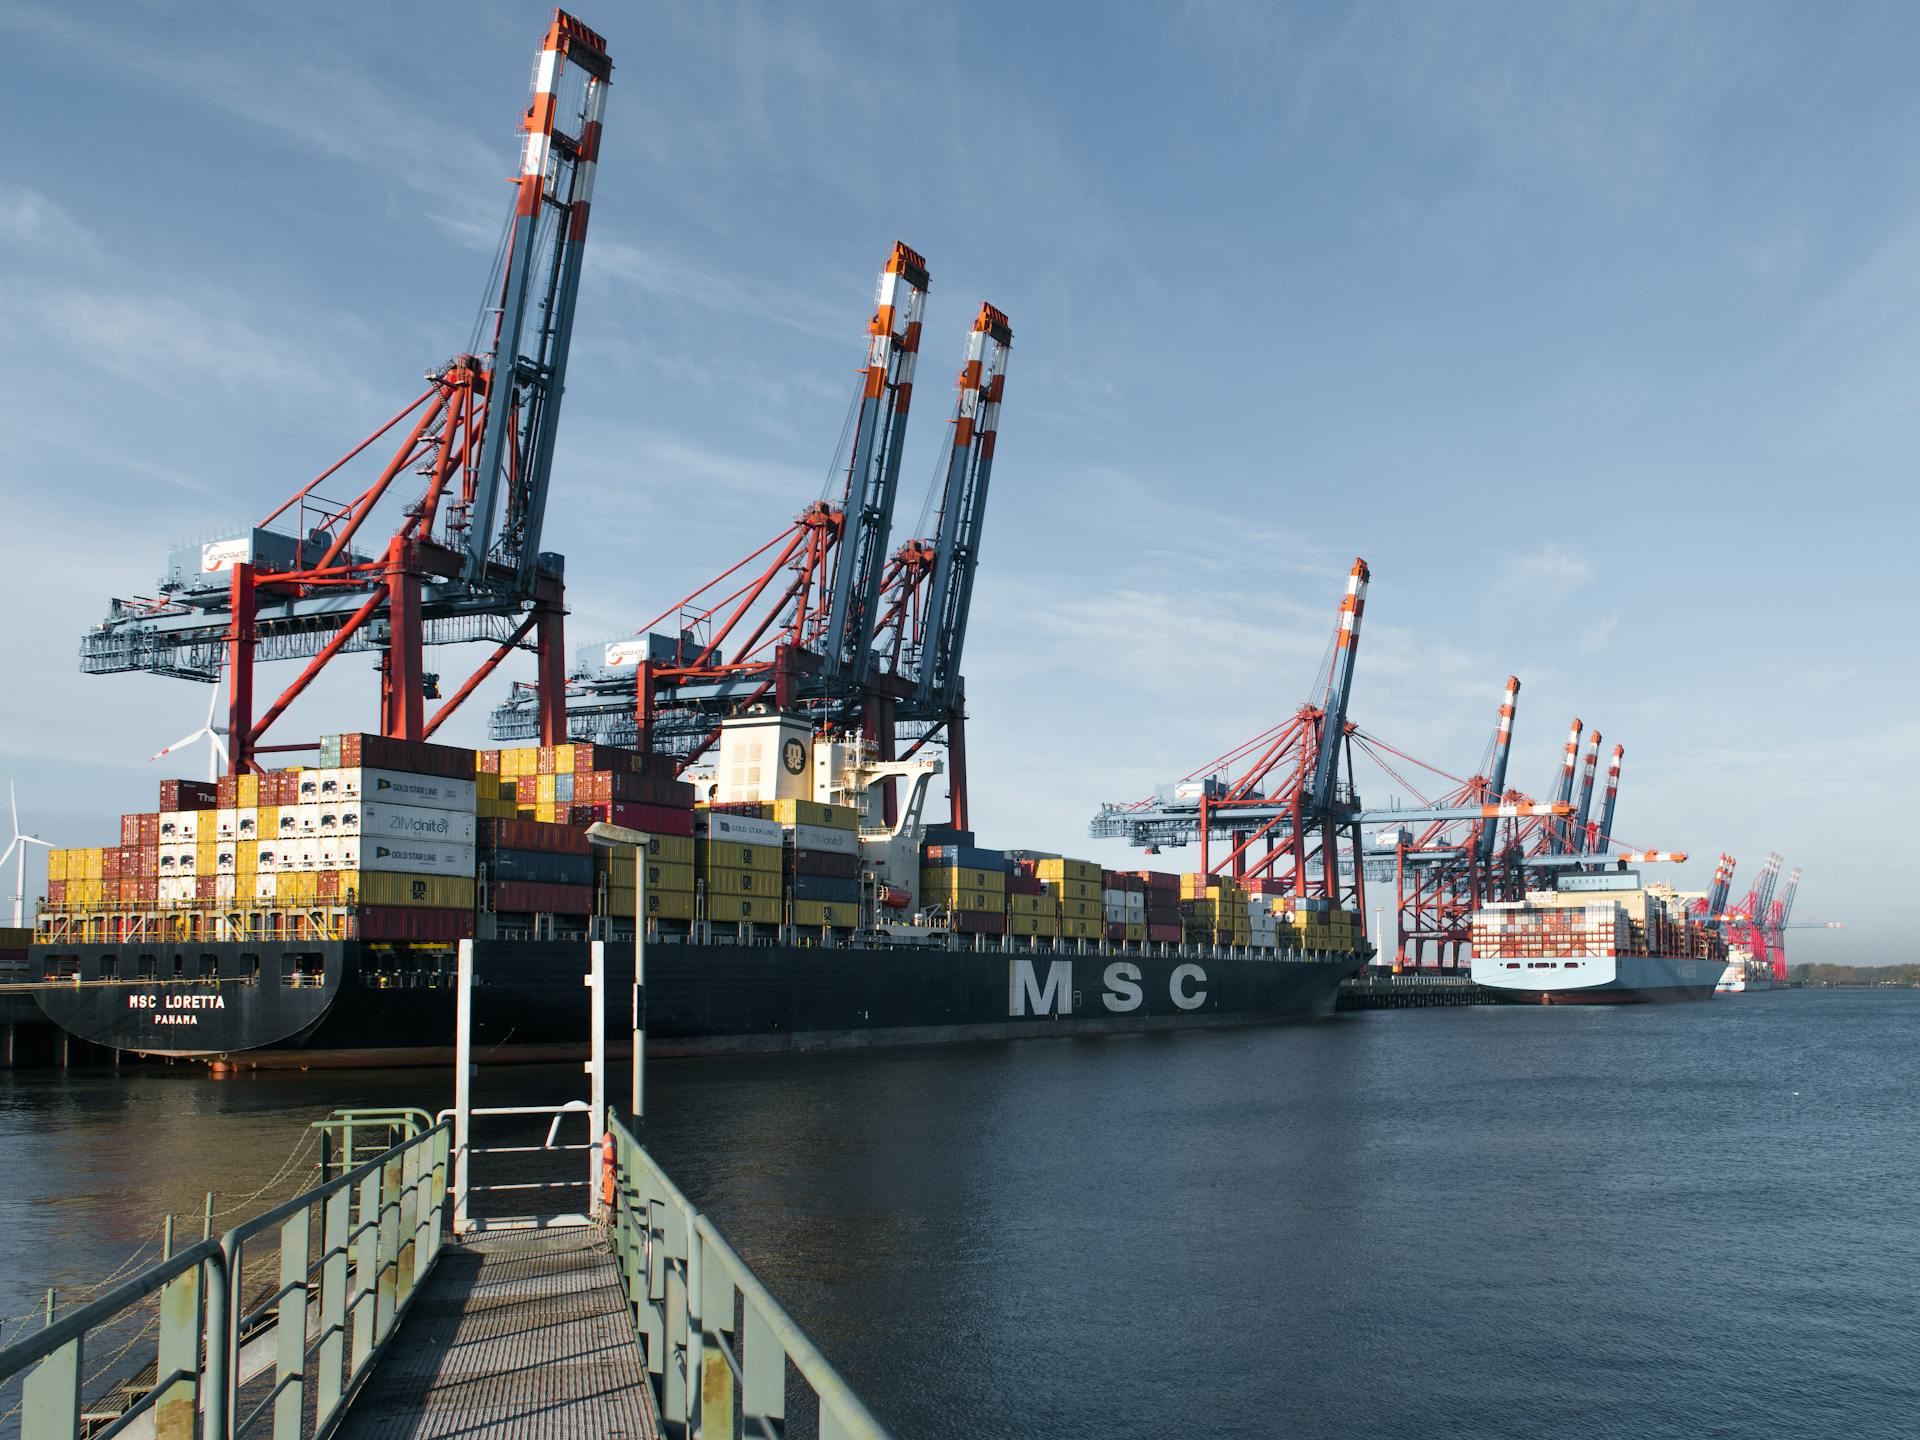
(707, 1324)
(350, 1254)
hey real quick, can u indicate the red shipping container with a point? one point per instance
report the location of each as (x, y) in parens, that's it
(203, 886)
(653, 819)
(110, 863)
(129, 829)
(538, 835)
(541, 898)
(543, 760)
(327, 885)
(226, 791)
(412, 922)
(1116, 929)
(1163, 934)
(149, 830)
(412, 757)
(1023, 884)
(147, 889)
(979, 922)
(56, 893)
(486, 762)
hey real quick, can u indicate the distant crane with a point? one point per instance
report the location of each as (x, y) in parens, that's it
(1285, 814)
(464, 561)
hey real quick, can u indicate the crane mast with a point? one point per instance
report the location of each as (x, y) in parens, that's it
(1333, 725)
(873, 472)
(1577, 834)
(1497, 776)
(976, 425)
(1599, 841)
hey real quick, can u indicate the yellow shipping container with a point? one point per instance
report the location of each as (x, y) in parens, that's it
(546, 811)
(1136, 933)
(1064, 869)
(1078, 910)
(1080, 929)
(246, 857)
(300, 887)
(1074, 889)
(727, 908)
(945, 878)
(979, 902)
(660, 876)
(57, 863)
(815, 812)
(247, 790)
(668, 849)
(1030, 905)
(543, 788)
(661, 904)
(1044, 926)
(741, 882)
(842, 914)
(386, 887)
(732, 855)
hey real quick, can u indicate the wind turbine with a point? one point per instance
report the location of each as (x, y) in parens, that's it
(17, 852)
(214, 735)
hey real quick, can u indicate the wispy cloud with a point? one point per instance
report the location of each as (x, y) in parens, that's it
(1596, 636)
(1548, 570)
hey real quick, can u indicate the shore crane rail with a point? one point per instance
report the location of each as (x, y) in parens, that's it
(463, 563)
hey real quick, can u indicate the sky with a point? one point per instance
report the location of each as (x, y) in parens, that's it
(1595, 329)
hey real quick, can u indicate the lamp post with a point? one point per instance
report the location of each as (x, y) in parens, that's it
(610, 836)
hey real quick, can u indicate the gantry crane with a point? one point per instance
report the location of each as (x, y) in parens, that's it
(463, 563)
(819, 620)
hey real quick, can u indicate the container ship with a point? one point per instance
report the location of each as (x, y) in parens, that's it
(1600, 937)
(312, 916)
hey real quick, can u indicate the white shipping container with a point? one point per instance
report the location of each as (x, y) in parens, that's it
(405, 857)
(178, 825)
(226, 824)
(742, 829)
(226, 857)
(176, 889)
(247, 822)
(404, 822)
(265, 887)
(300, 854)
(266, 860)
(223, 887)
(394, 787)
(1136, 905)
(825, 839)
(178, 859)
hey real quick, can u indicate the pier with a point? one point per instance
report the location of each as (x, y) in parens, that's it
(479, 1271)
(1410, 992)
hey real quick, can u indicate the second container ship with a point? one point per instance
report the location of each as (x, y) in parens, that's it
(1602, 937)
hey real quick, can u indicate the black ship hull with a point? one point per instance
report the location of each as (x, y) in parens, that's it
(312, 1005)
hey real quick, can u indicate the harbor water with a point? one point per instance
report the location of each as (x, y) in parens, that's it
(1676, 1220)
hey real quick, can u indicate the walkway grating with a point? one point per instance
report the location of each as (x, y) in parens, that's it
(517, 1334)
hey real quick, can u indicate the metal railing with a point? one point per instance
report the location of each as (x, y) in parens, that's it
(378, 1234)
(466, 1153)
(705, 1322)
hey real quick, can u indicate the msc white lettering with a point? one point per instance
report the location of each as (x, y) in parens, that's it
(1124, 979)
(1177, 987)
(1026, 996)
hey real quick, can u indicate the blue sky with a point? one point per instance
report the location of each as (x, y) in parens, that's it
(1595, 329)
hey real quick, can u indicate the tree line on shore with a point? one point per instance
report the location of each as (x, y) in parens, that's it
(1906, 976)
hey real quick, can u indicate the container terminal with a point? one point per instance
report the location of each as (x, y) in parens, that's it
(764, 747)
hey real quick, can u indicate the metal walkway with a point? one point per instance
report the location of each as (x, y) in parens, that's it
(524, 1333)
